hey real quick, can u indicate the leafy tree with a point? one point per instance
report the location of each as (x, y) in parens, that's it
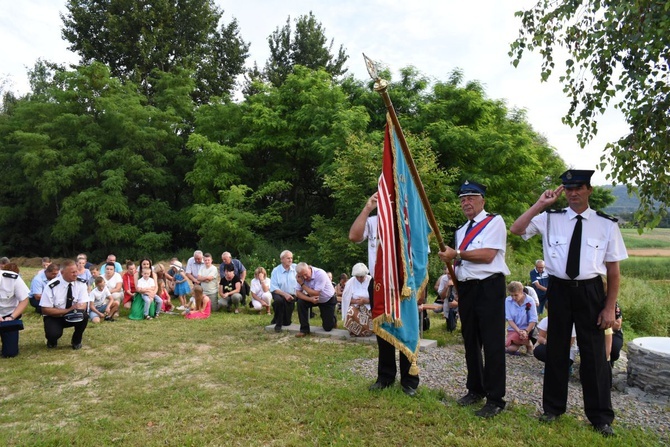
(134, 38)
(91, 167)
(617, 55)
(307, 46)
(276, 148)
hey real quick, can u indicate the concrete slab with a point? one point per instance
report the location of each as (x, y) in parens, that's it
(343, 334)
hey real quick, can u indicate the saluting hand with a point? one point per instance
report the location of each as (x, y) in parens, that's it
(550, 196)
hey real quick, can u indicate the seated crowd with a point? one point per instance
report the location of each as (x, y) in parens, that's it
(76, 292)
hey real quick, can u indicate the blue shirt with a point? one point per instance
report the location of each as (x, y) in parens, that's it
(237, 265)
(542, 278)
(284, 280)
(37, 284)
(522, 314)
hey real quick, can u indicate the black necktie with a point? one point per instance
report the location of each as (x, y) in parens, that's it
(70, 298)
(572, 267)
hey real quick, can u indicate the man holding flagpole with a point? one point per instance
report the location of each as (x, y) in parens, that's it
(480, 273)
(398, 250)
(365, 228)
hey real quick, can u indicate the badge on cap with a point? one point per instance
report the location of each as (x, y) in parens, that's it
(573, 178)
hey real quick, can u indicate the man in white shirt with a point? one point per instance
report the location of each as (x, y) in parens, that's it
(60, 297)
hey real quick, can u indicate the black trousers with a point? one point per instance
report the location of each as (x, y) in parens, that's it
(36, 304)
(386, 366)
(481, 307)
(327, 311)
(10, 341)
(617, 344)
(579, 304)
(283, 310)
(53, 329)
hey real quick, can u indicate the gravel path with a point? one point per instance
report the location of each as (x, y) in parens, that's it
(444, 368)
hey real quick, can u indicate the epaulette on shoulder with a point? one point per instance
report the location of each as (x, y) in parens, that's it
(564, 210)
(491, 214)
(54, 284)
(81, 280)
(607, 216)
(10, 275)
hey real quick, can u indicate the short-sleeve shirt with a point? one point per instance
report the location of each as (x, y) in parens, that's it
(229, 286)
(521, 314)
(370, 234)
(193, 267)
(283, 279)
(256, 286)
(237, 266)
(494, 236)
(601, 241)
(38, 283)
(13, 290)
(321, 282)
(113, 281)
(147, 283)
(55, 293)
(99, 297)
(542, 279)
(209, 287)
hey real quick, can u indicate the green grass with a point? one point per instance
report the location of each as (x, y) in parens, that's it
(656, 268)
(225, 381)
(657, 238)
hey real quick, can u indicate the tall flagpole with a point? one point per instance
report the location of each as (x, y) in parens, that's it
(381, 87)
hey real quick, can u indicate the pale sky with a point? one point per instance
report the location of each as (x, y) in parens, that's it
(435, 36)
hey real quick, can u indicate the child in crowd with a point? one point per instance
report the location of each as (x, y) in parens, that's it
(181, 287)
(129, 284)
(163, 294)
(147, 287)
(103, 306)
(202, 305)
(95, 272)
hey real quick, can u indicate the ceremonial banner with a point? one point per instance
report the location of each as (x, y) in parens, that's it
(401, 270)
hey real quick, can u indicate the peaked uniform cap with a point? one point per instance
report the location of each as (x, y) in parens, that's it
(573, 178)
(471, 189)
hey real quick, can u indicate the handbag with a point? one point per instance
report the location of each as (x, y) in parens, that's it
(452, 320)
(359, 321)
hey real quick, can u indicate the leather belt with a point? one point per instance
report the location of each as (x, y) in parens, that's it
(574, 282)
(473, 280)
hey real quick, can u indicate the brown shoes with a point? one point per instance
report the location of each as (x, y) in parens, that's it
(301, 335)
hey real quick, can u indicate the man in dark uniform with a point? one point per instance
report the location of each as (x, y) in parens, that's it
(480, 273)
(60, 297)
(580, 246)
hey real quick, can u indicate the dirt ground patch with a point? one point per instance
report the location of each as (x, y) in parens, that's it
(649, 252)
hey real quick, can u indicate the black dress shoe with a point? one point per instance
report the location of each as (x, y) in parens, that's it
(76, 346)
(277, 327)
(604, 429)
(52, 345)
(489, 410)
(411, 392)
(379, 386)
(548, 417)
(469, 399)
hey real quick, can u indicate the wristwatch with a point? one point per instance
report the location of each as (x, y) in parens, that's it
(458, 255)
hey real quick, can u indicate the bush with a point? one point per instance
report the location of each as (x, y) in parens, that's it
(644, 307)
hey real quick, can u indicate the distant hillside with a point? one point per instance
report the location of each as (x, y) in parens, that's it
(623, 203)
